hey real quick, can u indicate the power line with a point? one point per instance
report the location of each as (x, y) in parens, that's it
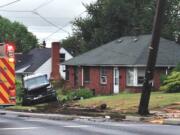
(10, 3)
(34, 11)
(62, 27)
(46, 20)
(43, 5)
(18, 11)
(57, 31)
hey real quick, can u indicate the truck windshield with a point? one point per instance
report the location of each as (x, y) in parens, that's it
(36, 82)
(2, 51)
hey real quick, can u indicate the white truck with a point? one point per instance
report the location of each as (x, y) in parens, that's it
(37, 89)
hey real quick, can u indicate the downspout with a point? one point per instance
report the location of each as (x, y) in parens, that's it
(82, 77)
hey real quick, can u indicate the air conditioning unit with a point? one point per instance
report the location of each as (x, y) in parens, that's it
(103, 79)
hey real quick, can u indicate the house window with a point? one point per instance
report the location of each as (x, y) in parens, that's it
(130, 77)
(103, 75)
(62, 57)
(86, 74)
(140, 76)
(67, 73)
(135, 76)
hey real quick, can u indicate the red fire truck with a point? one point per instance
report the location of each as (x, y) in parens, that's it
(7, 74)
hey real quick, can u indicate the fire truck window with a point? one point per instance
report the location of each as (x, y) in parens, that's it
(2, 51)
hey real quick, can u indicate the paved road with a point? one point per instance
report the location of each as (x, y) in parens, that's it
(13, 125)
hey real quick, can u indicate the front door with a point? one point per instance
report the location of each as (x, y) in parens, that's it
(116, 80)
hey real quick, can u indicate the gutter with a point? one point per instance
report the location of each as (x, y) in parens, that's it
(103, 65)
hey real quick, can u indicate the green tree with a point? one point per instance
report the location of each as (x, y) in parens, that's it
(172, 20)
(18, 34)
(107, 20)
(74, 45)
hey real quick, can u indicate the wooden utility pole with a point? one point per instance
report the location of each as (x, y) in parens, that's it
(153, 51)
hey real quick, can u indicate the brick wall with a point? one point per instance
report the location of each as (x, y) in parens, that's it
(94, 83)
(157, 76)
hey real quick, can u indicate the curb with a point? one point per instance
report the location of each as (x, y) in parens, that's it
(171, 121)
(137, 118)
(81, 118)
(51, 116)
(134, 118)
(144, 119)
(38, 115)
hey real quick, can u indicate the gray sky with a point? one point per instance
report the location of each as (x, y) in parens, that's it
(59, 12)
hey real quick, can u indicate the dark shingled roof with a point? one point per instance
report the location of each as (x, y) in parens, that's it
(127, 51)
(34, 59)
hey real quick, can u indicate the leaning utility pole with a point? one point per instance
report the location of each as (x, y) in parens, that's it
(153, 50)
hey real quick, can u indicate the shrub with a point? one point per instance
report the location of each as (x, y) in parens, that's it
(163, 77)
(69, 95)
(19, 91)
(172, 83)
(58, 84)
(64, 95)
(82, 93)
(177, 68)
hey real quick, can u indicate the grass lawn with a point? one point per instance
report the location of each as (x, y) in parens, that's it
(122, 103)
(128, 102)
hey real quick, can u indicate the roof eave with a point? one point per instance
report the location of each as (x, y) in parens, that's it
(116, 65)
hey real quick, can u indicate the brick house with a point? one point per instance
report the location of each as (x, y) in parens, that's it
(120, 65)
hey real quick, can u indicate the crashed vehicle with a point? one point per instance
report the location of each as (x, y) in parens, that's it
(37, 89)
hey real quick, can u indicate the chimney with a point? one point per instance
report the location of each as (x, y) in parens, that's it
(55, 73)
(44, 44)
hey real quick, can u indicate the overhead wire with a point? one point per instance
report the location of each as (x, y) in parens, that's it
(43, 5)
(46, 20)
(62, 27)
(35, 12)
(20, 11)
(10, 3)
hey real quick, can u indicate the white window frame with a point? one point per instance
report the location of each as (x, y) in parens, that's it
(62, 59)
(103, 78)
(141, 76)
(127, 71)
(135, 78)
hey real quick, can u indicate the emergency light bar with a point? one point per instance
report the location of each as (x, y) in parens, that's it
(10, 49)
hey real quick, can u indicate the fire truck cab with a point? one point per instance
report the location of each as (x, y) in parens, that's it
(7, 74)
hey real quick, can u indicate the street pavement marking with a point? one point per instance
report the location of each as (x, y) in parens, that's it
(134, 125)
(35, 120)
(76, 126)
(23, 128)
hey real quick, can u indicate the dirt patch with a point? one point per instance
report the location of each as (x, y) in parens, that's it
(170, 111)
(72, 109)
